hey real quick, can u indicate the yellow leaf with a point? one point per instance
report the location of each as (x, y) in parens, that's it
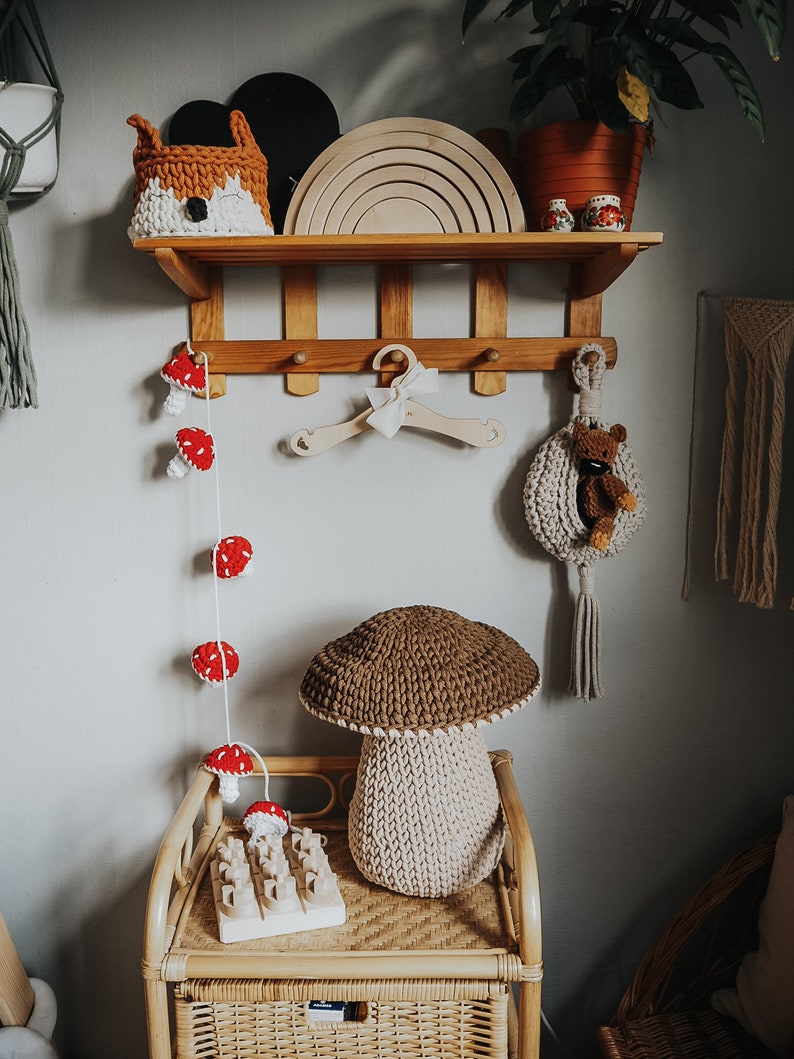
(633, 94)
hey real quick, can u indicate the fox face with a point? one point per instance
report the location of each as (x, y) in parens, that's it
(193, 190)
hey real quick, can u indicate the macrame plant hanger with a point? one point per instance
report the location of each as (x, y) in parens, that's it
(19, 27)
(551, 507)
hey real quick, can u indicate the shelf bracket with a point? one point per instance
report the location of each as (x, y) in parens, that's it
(192, 278)
(598, 273)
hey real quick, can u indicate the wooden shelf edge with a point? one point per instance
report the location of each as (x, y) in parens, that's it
(374, 249)
(352, 356)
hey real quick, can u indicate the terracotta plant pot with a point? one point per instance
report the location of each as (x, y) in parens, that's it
(575, 160)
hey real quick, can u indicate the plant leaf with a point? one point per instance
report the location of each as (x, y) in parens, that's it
(711, 9)
(608, 107)
(634, 46)
(740, 82)
(543, 9)
(680, 33)
(559, 69)
(633, 94)
(472, 9)
(770, 17)
(671, 82)
(514, 7)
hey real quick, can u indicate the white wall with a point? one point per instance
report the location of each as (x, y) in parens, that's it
(633, 798)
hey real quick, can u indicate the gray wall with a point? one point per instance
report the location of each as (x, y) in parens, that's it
(632, 799)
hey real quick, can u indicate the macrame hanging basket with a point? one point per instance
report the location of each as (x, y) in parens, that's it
(26, 171)
(552, 511)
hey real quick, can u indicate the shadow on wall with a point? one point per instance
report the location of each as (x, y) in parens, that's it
(100, 977)
(118, 277)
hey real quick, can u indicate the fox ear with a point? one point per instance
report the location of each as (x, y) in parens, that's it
(241, 130)
(148, 136)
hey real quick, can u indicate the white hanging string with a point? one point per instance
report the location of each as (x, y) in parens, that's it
(224, 679)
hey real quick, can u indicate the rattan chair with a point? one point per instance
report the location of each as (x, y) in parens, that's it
(666, 1013)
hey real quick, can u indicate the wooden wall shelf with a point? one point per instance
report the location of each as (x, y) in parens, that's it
(196, 266)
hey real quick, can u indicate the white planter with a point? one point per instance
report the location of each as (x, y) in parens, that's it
(23, 107)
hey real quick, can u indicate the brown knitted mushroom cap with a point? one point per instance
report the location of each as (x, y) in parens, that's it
(419, 668)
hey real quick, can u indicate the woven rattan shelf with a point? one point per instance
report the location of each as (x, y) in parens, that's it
(432, 977)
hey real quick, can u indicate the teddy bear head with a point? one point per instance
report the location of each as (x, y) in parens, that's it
(597, 448)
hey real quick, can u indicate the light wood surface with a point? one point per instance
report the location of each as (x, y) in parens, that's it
(500, 947)
(16, 993)
(436, 148)
(595, 260)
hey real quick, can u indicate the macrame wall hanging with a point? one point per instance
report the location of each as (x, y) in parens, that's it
(759, 335)
(583, 500)
(21, 40)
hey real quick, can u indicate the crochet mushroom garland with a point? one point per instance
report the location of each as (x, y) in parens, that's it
(420, 683)
(584, 499)
(216, 661)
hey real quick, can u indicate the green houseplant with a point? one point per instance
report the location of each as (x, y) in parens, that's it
(617, 59)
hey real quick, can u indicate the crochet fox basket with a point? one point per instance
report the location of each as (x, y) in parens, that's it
(192, 190)
(584, 499)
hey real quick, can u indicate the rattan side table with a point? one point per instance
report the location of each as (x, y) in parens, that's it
(430, 977)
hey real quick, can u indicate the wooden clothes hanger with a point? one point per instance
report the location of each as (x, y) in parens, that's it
(392, 412)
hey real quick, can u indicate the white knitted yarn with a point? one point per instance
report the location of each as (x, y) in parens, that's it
(553, 516)
(425, 818)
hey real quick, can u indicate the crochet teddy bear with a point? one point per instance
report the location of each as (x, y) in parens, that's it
(599, 493)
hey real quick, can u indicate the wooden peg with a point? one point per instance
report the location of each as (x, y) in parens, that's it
(493, 355)
(397, 356)
(300, 356)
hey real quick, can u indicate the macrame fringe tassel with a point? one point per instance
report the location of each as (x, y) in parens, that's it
(586, 639)
(17, 374)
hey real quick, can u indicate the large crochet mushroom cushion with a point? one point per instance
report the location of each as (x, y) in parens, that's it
(419, 683)
(419, 668)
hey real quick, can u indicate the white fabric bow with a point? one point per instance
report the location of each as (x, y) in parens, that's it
(388, 402)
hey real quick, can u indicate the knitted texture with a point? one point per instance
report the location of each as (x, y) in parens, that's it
(418, 668)
(195, 190)
(425, 817)
(550, 505)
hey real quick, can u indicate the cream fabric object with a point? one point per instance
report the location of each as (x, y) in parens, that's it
(763, 1000)
(425, 818)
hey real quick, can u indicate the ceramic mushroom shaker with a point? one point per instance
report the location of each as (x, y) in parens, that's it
(419, 683)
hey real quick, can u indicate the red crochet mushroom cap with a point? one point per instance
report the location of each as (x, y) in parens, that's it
(208, 658)
(266, 818)
(231, 556)
(196, 446)
(230, 760)
(181, 371)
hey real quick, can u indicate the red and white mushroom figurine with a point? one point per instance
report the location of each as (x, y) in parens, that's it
(265, 818)
(229, 762)
(215, 660)
(184, 377)
(231, 556)
(196, 448)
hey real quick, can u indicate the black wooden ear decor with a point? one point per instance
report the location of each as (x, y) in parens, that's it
(292, 121)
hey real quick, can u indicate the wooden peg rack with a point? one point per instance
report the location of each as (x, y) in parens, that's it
(196, 266)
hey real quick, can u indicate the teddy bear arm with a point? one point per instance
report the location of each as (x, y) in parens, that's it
(619, 492)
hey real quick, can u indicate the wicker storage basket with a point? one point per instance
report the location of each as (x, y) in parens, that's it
(665, 1013)
(253, 1020)
(430, 977)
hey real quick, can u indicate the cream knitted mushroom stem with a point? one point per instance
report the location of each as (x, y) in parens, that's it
(419, 683)
(425, 817)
